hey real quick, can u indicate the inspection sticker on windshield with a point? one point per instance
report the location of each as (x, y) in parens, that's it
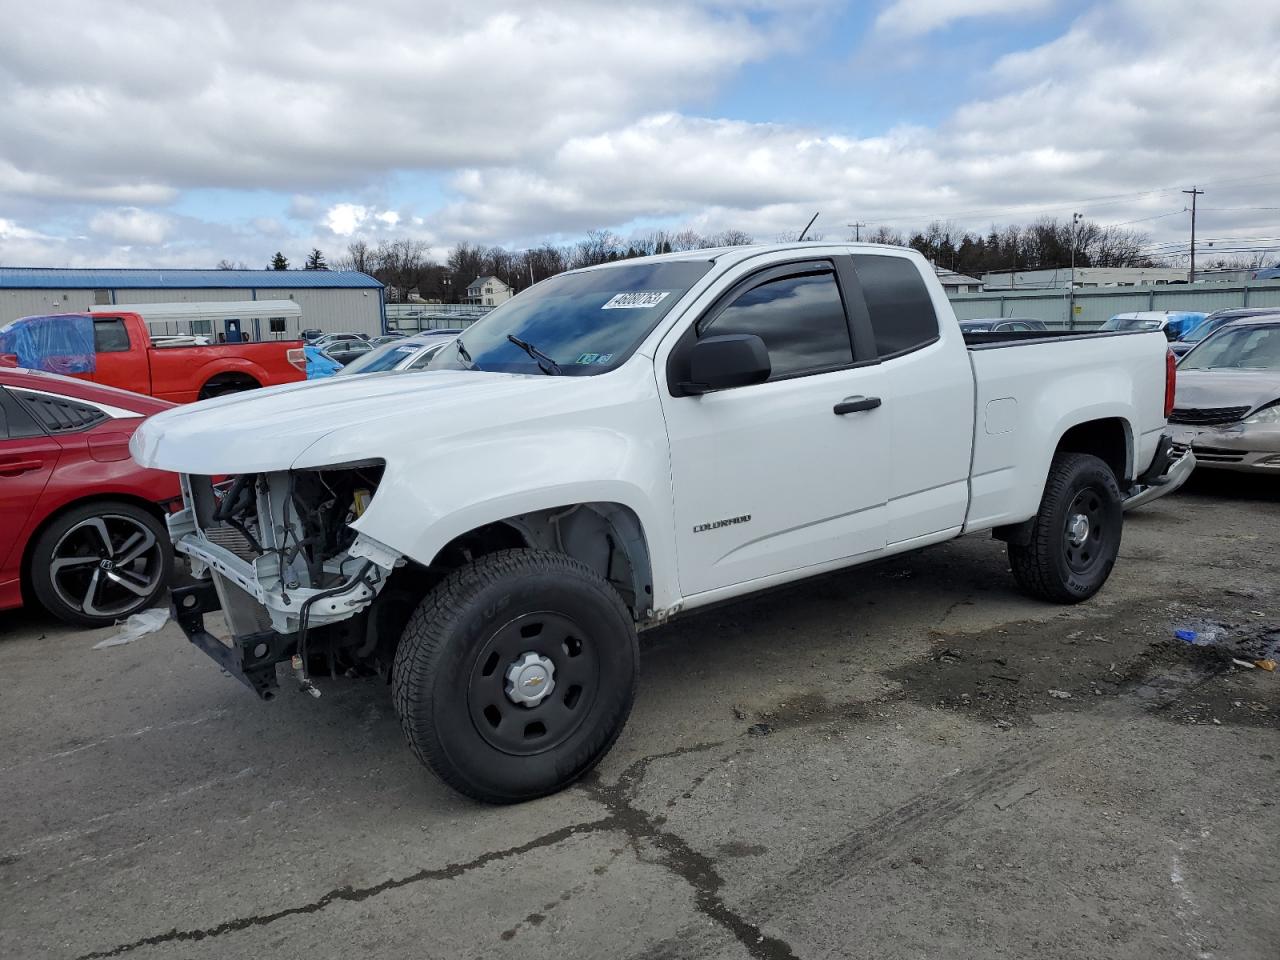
(639, 300)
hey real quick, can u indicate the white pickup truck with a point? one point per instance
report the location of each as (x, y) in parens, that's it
(623, 443)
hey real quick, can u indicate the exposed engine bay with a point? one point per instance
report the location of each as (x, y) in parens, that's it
(280, 552)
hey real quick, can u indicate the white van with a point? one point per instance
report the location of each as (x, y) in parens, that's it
(216, 320)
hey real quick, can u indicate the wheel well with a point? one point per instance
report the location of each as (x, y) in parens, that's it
(25, 568)
(241, 381)
(1106, 439)
(607, 537)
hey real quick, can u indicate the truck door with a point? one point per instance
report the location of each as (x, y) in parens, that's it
(789, 473)
(119, 361)
(928, 398)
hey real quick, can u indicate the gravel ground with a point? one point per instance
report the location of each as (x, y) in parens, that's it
(904, 761)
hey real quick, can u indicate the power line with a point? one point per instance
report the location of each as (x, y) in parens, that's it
(1030, 209)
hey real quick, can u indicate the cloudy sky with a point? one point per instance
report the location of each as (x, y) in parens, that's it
(178, 134)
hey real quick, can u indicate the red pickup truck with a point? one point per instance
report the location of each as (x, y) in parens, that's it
(117, 350)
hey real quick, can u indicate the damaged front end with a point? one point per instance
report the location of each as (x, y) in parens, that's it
(277, 554)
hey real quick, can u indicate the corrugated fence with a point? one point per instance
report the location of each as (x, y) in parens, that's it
(1095, 306)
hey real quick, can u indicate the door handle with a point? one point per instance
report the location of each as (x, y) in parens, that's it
(856, 405)
(12, 468)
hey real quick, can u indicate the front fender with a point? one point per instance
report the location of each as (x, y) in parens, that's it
(425, 501)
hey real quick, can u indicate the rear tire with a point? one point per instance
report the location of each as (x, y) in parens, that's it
(1075, 536)
(515, 675)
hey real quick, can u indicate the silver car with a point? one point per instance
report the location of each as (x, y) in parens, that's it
(406, 353)
(1227, 409)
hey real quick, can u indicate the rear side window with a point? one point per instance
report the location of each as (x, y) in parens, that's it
(800, 319)
(902, 316)
(110, 335)
(15, 421)
(60, 414)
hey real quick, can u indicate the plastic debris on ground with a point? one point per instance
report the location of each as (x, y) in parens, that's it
(138, 625)
(1251, 646)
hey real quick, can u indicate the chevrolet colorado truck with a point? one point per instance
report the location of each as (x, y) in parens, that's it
(618, 445)
(117, 350)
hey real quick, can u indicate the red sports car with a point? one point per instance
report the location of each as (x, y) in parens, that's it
(81, 525)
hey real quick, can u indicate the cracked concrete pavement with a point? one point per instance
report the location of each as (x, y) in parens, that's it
(865, 765)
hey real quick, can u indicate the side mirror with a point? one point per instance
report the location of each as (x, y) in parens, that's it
(731, 360)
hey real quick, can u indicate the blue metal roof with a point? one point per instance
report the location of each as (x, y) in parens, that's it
(59, 278)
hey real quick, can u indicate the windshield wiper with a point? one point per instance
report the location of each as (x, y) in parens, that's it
(462, 351)
(537, 355)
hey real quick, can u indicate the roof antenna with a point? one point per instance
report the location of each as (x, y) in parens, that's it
(806, 227)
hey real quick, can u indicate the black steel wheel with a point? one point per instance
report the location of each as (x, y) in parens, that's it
(100, 562)
(515, 675)
(1075, 536)
(533, 683)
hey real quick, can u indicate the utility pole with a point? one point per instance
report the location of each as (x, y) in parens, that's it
(857, 231)
(1191, 278)
(1071, 299)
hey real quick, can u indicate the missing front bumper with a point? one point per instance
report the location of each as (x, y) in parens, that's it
(250, 658)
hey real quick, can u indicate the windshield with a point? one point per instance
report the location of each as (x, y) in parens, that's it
(384, 357)
(586, 323)
(1206, 328)
(1131, 323)
(1241, 348)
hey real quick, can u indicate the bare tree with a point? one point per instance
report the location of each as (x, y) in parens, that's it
(688, 239)
(599, 246)
(228, 265)
(729, 238)
(403, 264)
(886, 235)
(466, 263)
(544, 261)
(359, 257)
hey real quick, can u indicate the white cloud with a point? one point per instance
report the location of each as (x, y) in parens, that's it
(915, 17)
(554, 119)
(163, 95)
(9, 230)
(131, 225)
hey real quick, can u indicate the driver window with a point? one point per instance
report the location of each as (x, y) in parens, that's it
(800, 319)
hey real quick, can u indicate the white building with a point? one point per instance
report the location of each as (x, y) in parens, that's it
(333, 301)
(953, 282)
(487, 292)
(1060, 278)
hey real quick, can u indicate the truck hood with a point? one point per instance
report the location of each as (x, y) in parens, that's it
(271, 429)
(1226, 388)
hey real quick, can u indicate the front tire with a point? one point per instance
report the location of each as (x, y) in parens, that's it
(1075, 536)
(515, 675)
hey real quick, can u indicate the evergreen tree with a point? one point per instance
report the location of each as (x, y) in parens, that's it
(315, 260)
(278, 262)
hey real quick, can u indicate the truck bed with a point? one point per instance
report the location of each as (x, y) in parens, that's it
(991, 341)
(1024, 395)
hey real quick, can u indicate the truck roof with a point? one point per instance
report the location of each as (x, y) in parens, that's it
(731, 255)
